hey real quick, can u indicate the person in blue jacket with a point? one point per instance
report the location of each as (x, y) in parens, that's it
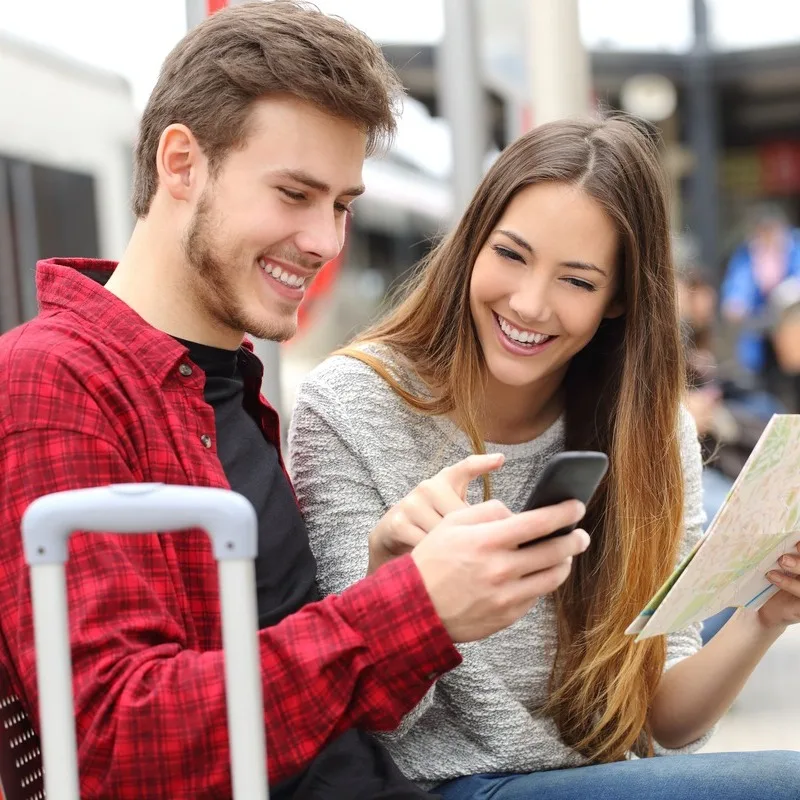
(770, 255)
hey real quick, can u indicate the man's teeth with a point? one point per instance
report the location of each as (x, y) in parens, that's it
(295, 281)
(520, 336)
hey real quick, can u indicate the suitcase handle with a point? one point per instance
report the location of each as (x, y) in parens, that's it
(228, 517)
(231, 522)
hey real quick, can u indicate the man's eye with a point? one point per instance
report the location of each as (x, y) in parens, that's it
(292, 195)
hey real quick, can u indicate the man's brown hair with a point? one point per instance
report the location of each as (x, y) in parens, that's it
(214, 74)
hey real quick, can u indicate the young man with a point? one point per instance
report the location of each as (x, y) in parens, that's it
(249, 157)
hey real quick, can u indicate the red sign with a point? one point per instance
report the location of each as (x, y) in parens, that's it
(780, 167)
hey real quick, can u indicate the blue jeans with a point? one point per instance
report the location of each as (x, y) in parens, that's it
(711, 776)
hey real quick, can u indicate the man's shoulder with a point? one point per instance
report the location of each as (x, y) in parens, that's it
(53, 343)
(48, 365)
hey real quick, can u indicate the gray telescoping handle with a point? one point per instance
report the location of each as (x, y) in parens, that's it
(230, 521)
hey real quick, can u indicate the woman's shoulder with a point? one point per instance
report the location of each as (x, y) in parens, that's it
(354, 392)
(348, 377)
(348, 399)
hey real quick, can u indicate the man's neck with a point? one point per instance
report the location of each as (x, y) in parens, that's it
(153, 278)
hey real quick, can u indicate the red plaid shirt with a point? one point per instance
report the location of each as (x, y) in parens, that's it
(92, 395)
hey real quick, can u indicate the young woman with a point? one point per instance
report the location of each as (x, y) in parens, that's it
(546, 321)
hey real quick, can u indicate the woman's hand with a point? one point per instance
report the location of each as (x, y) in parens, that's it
(405, 524)
(783, 608)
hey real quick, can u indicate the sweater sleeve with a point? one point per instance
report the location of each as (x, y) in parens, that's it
(332, 444)
(336, 489)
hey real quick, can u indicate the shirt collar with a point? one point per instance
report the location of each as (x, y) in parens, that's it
(64, 284)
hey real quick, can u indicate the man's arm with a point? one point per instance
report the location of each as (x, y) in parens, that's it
(150, 712)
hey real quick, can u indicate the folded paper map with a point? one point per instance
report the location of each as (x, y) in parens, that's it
(758, 522)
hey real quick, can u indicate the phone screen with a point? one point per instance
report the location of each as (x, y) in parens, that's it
(571, 475)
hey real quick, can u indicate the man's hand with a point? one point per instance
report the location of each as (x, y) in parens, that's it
(406, 523)
(478, 577)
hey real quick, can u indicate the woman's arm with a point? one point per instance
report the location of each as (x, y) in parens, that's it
(337, 491)
(695, 693)
(697, 690)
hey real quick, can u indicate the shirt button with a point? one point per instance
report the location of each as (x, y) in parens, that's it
(205, 439)
(185, 370)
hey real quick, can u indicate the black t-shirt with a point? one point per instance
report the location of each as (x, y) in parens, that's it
(285, 568)
(354, 766)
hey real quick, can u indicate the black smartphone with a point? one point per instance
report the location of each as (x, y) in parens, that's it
(571, 475)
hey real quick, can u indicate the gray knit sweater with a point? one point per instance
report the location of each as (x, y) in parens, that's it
(355, 450)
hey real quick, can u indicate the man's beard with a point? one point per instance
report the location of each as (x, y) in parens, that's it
(212, 279)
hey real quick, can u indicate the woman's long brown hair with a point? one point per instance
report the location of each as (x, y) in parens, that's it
(622, 397)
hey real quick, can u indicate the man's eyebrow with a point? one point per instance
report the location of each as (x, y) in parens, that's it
(300, 176)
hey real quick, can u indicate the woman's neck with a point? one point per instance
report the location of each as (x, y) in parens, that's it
(517, 414)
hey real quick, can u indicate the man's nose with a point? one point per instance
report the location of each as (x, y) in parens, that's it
(322, 237)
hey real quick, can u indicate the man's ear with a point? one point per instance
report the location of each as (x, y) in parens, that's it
(180, 163)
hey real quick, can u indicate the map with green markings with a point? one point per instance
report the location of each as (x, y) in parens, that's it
(758, 523)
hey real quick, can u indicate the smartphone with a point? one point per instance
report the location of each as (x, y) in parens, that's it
(571, 475)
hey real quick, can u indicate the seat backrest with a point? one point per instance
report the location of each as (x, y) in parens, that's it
(21, 775)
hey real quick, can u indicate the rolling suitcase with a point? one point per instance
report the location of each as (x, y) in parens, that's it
(230, 521)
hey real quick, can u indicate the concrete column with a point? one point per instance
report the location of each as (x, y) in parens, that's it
(560, 77)
(702, 119)
(196, 11)
(461, 98)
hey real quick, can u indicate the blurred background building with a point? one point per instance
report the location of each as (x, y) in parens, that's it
(721, 81)
(721, 78)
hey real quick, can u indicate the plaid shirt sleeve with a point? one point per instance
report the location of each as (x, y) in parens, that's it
(150, 711)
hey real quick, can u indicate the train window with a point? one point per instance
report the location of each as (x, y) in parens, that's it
(44, 212)
(66, 217)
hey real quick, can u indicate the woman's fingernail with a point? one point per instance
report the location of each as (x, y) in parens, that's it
(775, 577)
(789, 561)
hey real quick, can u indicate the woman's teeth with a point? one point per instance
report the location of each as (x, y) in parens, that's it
(520, 336)
(286, 278)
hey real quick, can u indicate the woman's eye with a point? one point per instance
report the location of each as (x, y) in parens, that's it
(589, 287)
(291, 195)
(505, 252)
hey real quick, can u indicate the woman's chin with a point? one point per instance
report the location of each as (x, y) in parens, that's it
(514, 378)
